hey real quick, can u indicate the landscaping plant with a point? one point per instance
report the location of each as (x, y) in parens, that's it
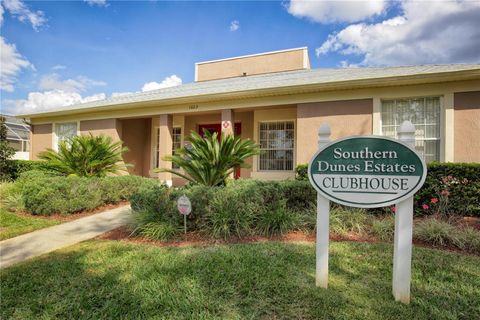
(209, 160)
(86, 156)
(6, 151)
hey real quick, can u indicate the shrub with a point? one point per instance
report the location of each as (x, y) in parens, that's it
(277, 220)
(209, 160)
(344, 221)
(450, 188)
(45, 194)
(301, 172)
(436, 232)
(458, 184)
(383, 228)
(86, 156)
(468, 239)
(11, 196)
(154, 226)
(12, 169)
(232, 210)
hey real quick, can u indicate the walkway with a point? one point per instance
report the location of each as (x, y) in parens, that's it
(49, 239)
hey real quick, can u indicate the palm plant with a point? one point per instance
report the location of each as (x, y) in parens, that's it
(209, 160)
(86, 156)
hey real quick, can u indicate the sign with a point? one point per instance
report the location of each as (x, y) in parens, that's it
(184, 205)
(225, 124)
(367, 171)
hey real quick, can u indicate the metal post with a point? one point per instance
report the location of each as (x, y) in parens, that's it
(323, 214)
(402, 250)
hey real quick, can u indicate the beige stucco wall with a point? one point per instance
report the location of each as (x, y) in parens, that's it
(41, 139)
(346, 118)
(467, 126)
(135, 136)
(251, 65)
(108, 127)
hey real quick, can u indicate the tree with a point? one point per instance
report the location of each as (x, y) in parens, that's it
(209, 160)
(87, 156)
(6, 150)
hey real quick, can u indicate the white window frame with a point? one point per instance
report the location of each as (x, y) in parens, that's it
(294, 160)
(155, 146)
(441, 111)
(54, 132)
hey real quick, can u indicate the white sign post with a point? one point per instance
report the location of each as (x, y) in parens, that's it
(323, 222)
(368, 172)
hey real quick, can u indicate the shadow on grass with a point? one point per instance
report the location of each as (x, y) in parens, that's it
(103, 279)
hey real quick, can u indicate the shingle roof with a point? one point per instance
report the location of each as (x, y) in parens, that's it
(273, 80)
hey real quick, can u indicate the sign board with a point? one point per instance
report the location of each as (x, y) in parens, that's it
(184, 205)
(367, 171)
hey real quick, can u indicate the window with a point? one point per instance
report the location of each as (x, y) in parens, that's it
(277, 141)
(424, 113)
(176, 144)
(64, 131)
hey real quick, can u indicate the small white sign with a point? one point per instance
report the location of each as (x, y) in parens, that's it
(184, 205)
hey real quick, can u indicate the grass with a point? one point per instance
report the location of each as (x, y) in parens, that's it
(12, 225)
(117, 280)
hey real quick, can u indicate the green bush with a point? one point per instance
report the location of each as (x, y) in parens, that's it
(436, 232)
(453, 187)
(383, 228)
(277, 220)
(348, 220)
(14, 168)
(442, 233)
(154, 226)
(44, 194)
(301, 172)
(457, 184)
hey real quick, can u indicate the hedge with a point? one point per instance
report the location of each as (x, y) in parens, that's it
(45, 194)
(12, 169)
(450, 188)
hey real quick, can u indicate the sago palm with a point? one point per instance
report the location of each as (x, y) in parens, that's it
(86, 156)
(209, 160)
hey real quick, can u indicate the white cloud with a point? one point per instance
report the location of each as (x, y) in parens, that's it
(12, 63)
(336, 11)
(63, 93)
(234, 25)
(425, 32)
(54, 82)
(120, 94)
(21, 11)
(100, 3)
(48, 100)
(59, 67)
(170, 81)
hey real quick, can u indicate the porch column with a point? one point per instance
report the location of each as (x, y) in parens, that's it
(165, 147)
(228, 122)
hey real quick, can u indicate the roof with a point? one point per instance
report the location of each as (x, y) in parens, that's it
(289, 79)
(17, 129)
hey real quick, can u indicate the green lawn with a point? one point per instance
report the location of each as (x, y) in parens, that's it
(12, 225)
(116, 280)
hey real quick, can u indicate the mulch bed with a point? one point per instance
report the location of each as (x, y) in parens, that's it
(76, 215)
(199, 239)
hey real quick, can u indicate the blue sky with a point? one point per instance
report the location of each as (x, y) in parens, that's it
(60, 53)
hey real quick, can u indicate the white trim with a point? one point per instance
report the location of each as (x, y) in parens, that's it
(449, 151)
(54, 132)
(251, 55)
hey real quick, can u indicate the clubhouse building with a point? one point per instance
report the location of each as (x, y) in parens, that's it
(277, 100)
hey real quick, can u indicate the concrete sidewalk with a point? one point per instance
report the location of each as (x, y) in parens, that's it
(49, 239)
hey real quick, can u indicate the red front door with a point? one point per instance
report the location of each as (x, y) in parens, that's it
(217, 127)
